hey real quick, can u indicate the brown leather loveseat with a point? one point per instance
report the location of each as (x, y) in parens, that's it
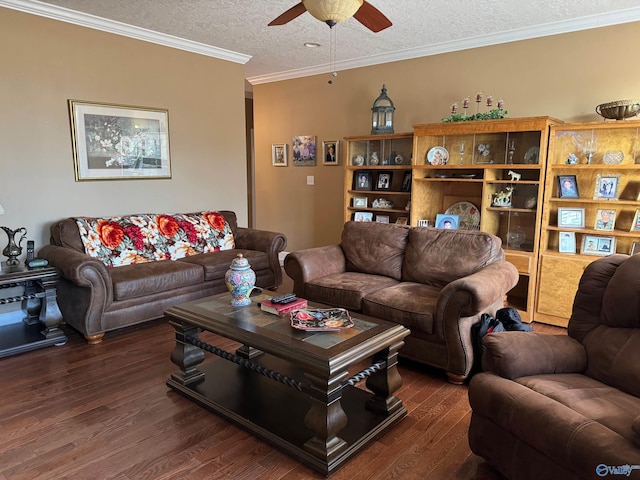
(435, 282)
(567, 406)
(95, 299)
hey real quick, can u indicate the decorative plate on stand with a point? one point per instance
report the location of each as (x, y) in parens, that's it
(469, 215)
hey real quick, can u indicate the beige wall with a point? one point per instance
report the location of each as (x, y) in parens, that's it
(563, 76)
(45, 62)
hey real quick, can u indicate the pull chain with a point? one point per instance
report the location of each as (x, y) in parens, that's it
(332, 54)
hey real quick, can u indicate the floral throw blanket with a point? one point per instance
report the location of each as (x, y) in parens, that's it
(118, 241)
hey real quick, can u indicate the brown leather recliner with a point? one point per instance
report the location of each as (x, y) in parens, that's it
(435, 282)
(567, 406)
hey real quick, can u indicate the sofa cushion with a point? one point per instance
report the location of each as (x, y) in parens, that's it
(437, 256)
(215, 266)
(347, 289)
(118, 241)
(376, 248)
(571, 418)
(410, 304)
(131, 281)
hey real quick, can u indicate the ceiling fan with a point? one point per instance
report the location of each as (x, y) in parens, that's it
(335, 11)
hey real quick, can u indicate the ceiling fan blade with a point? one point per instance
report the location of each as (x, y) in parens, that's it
(289, 15)
(372, 18)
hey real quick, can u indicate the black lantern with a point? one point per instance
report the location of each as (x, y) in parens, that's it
(382, 114)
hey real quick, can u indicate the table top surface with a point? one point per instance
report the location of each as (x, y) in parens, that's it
(275, 335)
(20, 272)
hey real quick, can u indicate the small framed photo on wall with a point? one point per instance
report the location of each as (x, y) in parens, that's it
(568, 186)
(606, 187)
(330, 152)
(279, 155)
(567, 242)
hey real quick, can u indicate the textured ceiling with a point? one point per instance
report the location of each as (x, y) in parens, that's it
(420, 27)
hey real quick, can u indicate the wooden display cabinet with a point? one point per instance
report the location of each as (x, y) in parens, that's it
(615, 147)
(385, 162)
(485, 158)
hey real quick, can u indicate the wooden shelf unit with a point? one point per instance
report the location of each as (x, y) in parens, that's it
(561, 272)
(388, 148)
(471, 176)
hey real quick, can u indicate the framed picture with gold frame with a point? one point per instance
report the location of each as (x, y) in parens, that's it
(119, 142)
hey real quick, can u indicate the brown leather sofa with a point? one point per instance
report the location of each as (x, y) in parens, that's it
(567, 406)
(435, 282)
(95, 299)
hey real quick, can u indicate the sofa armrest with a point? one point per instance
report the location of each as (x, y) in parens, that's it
(271, 243)
(475, 293)
(520, 354)
(80, 269)
(306, 265)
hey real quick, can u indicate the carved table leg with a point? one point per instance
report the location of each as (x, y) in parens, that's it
(386, 381)
(325, 417)
(185, 355)
(50, 314)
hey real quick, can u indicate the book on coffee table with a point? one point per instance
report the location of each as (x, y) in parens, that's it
(283, 308)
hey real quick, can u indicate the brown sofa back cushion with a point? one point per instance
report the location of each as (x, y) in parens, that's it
(65, 232)
(437, 256)
(376, 248)
(613, 347)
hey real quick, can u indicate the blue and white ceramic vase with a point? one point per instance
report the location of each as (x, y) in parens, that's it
(240, 280)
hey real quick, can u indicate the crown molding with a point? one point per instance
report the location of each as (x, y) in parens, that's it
(97, 23)
(555, 28)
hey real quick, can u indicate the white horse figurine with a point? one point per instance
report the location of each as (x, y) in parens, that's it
(514, 175)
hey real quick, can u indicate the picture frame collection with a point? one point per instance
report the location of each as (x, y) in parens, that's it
(304, 152)
(607, 187)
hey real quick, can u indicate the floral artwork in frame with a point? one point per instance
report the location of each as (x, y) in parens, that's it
(279, 155)
(118, 142)
(304, 151)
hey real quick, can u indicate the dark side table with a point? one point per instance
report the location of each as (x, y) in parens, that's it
(39, 327)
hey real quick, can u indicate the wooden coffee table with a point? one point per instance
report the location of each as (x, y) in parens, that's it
(289, 387)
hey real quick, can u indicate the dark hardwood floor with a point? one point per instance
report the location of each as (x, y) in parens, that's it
(104, 412)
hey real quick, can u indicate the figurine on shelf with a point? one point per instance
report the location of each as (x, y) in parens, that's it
(514, 175)
(572, 159)
(503, 198)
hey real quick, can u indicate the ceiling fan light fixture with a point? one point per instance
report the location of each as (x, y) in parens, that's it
(332, 11)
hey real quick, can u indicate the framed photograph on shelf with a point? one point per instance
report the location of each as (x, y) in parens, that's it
(598, 245)
(330, 152)
(606, 187)
(279, 155)
(363, 181)
(445, 220)
(567, 242)
(402, 221)
(360, 202)
(303, 150)
(382, 218)
(384, 181)
(635, 248)
(570, 217)
(406, 182)
(363, 217)
(568, 186)
(118, 142)
(635, 225)
(605, 220)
